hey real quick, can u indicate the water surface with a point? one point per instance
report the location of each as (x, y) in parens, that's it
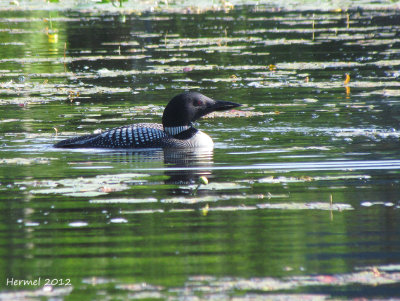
(303, 193)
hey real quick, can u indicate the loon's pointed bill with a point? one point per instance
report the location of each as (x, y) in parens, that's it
(176, 130)
(221, 105)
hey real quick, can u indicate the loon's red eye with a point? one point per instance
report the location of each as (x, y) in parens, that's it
(197, 103)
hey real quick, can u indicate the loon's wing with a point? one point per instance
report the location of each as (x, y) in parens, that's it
(132, 136)
(77, 142)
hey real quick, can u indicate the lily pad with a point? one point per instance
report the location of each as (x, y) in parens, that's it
(216, 186)
(37, 294)
(150, 211)
(123, 201)
(216, 198)
(86, 187)
(118, 220)
(26, 161)
(233, 208)
(306, 206)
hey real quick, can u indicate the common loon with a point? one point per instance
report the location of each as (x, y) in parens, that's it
(176, 129)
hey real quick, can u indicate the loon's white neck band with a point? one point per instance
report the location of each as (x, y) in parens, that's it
(175, 130)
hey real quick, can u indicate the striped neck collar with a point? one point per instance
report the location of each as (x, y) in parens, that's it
(175, 130)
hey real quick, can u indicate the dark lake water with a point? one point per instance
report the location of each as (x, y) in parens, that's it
(304, 181)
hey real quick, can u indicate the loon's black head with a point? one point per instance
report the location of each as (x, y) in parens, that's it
(187, 107)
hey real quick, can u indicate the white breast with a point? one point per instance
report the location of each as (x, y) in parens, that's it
(201, 140)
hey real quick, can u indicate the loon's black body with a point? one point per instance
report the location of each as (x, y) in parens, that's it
(176, 129)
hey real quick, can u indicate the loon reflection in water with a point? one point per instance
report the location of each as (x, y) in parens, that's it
(176, 130)
(181, 166)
